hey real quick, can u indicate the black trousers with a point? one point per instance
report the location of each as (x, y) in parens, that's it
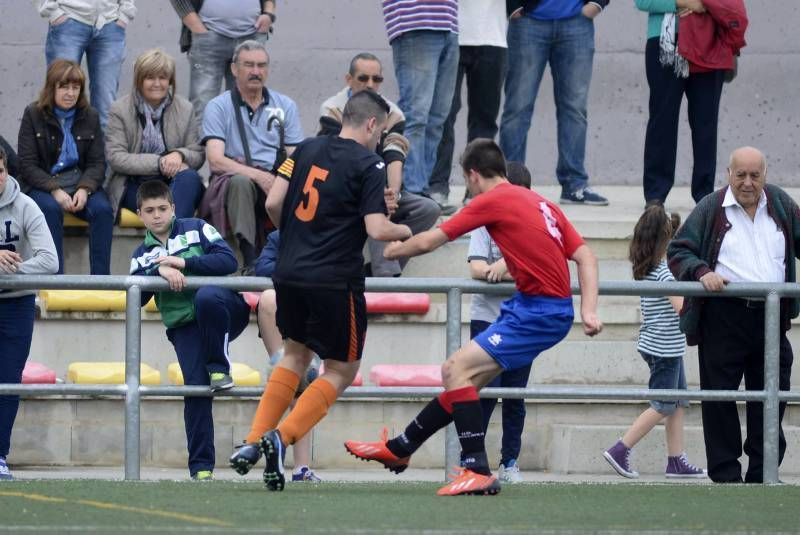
(485, 70)
(703, 92)
(732, 347)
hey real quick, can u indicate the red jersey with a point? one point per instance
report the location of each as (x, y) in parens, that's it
(535, 237)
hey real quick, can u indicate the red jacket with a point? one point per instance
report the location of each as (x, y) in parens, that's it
(710, 40)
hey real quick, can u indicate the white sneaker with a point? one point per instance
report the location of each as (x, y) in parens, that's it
(510, 473)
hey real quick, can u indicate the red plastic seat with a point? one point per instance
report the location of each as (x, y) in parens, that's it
(251, 298)
(37, 373)
(406, 375)
(397, 303)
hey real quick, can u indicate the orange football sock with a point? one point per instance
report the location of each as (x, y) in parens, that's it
(278, 394)
(311, 407)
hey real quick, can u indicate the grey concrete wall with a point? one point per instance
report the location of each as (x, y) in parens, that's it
(314, 41)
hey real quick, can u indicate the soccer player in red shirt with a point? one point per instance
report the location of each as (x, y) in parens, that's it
(536, 240)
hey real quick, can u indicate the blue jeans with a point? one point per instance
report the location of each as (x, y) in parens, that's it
(210, 62)
(16, 332)
(425, 64)
(97, 213)
(513, 409)
(567, 45)
(186, 186)
(105, 53)
(202, 348)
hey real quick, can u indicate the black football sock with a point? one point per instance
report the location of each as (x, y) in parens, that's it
(468, 417)
(430, 419)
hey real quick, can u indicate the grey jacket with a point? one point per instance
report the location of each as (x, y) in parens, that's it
(24, 230)
(95, 13)
(181, 130)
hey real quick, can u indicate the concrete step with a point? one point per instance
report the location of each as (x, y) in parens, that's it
(559, 436)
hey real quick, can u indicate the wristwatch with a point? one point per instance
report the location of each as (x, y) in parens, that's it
(271, 16)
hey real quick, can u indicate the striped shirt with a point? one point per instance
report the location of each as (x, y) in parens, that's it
(660, 334)
(403, 16)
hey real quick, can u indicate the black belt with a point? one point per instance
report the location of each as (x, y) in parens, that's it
(753, 302)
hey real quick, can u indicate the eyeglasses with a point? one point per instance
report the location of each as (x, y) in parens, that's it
(364, 78)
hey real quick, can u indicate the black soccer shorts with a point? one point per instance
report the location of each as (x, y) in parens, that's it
(332, 323)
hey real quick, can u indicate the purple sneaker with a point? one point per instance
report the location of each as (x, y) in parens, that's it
(619, 457)
(679, 466)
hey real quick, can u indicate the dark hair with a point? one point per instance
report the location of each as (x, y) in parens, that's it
(4, 157)
(518, 174)
(59, 73)
(363, 56)
(484, 156)
(153, 189)
(363, 106)
(651, 235)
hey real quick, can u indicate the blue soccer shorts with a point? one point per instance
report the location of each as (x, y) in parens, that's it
(527, 326)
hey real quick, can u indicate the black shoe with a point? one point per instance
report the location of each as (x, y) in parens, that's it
(246, 456)
(274, 452)
(583, 196)
(444, 204)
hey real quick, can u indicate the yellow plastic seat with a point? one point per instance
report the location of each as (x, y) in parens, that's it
(151, 305)
(129, 219)
(72, 221)
(243, 375)
(108, 373)
(83, 300)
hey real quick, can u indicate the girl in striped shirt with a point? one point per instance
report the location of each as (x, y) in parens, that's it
(661, 344)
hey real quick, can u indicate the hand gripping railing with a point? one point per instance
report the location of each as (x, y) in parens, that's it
(132, 391)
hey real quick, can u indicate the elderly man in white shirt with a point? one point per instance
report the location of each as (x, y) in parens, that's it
(748, 231)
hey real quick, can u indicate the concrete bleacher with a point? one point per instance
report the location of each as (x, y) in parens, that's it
(562, 436)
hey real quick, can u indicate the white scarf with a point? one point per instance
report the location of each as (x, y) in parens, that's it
(668, 47)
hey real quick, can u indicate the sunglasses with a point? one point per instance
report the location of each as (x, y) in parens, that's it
(364, 78)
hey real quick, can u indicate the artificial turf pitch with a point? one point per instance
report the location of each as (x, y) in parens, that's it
(88, 506)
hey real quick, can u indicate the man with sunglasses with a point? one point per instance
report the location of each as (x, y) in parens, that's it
(416, 211)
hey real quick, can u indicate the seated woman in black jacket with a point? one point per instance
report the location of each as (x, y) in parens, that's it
(62, 162)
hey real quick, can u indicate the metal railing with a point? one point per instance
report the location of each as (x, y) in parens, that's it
(133, 391)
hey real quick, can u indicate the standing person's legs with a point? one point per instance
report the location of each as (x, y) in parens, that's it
(703, 94)
(723, 349)
(16, 332)
(529, 43)
(221, 316)
(571, 65)
(197, 416)
(104, 56)
(100, 216)
(54, 216)
(209, 63)
(661, 136)
(485, 76)
(440, 176)
(513, 414)
(67, 40)
(416, 57)
(443, 90)
(754, 380)
(187, 190)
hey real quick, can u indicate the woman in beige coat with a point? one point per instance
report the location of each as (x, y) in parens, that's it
(153, 134)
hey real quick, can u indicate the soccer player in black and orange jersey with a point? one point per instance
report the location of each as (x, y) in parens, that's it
(328, 198)
(536, 240)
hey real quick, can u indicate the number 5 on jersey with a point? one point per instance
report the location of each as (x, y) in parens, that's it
(307, 208)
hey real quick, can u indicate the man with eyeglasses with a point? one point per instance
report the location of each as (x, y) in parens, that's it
(416, 211)
(243, 130)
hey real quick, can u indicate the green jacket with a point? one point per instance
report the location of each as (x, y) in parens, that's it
(695, 249)
(203, 250)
